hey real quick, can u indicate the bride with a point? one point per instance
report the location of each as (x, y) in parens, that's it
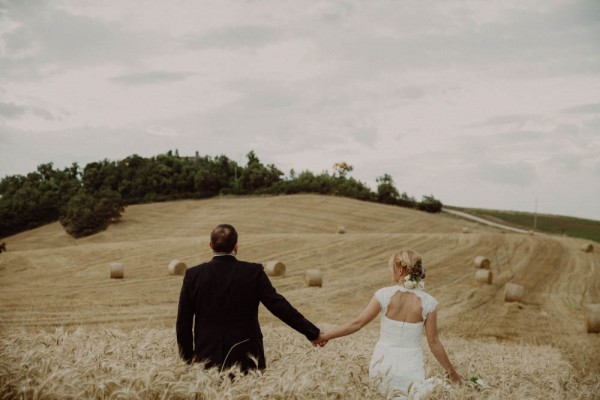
(397, 361)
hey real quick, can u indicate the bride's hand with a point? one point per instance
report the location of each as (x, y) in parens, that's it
(454, 376)
(321, 340)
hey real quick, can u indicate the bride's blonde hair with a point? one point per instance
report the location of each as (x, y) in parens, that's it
(410, 260)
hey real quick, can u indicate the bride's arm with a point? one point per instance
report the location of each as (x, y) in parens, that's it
(436, 347)
(357, 323)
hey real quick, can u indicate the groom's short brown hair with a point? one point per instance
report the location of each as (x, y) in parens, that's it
(223, 238)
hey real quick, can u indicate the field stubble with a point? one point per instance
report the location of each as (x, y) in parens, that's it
(67, 330)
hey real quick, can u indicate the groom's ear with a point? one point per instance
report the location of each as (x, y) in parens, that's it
(210, 245)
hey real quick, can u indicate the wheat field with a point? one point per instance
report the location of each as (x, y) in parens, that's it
(69, 331)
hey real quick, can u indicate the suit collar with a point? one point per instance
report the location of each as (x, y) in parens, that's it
(223, 257)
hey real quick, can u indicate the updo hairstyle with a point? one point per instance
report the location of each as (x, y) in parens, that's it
(409, 260)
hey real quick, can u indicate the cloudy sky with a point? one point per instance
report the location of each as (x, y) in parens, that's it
(492, 104)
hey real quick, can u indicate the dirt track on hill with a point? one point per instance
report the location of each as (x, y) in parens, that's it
(48, 279)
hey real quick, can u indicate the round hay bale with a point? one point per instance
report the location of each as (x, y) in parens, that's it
(117, 270)
(177, 267)
(274, 268)
(484, 276)
(466, 230)
(588, 248)
(481, 262)
(513, 292)
(593, 318)
(313, 277)
(341, 229)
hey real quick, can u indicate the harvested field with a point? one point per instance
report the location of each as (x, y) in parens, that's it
(536, 348)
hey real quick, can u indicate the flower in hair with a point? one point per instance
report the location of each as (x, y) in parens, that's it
(412, 282)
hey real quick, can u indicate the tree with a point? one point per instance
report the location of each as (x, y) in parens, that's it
(430, 204)
(386, 191)
(88, 214)
(257, 177)
(407, 201)
(101, 175)
(342, 169)
(213, 176)
(27, 202)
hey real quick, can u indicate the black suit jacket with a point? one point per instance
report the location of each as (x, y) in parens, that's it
(223, 296)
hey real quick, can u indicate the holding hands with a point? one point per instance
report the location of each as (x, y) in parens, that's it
(320, 341)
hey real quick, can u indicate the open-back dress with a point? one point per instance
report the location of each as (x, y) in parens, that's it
(397, 362)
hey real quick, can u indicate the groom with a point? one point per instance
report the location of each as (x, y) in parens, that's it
(223, 295)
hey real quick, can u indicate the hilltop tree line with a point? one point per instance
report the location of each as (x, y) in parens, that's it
(86, 200)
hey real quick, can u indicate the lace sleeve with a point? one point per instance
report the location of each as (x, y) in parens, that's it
(383, 298)
(429, 305)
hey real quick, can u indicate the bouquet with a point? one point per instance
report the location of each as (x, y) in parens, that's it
(476, 382)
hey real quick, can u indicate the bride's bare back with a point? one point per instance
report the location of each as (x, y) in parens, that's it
(405, 307)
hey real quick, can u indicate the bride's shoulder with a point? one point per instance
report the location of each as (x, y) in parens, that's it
(428, 297)
(385, 291)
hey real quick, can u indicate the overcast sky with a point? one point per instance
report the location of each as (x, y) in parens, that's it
(492, 104)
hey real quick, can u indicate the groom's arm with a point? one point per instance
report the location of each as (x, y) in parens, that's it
(282, 309)
(185, 320)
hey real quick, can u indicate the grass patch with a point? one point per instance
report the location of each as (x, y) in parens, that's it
(547, 223)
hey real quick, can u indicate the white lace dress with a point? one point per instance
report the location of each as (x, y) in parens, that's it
(397, 362)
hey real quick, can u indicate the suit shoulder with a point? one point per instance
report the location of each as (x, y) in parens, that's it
(196, 269)
(253, 266)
